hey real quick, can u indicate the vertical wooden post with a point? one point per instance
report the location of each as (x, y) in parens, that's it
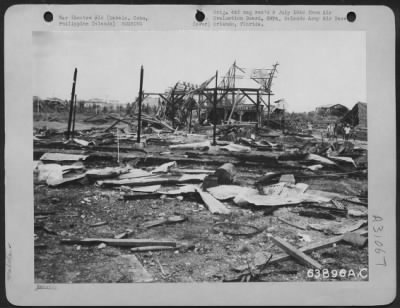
(269, 105)
(71, 107)
(234, 90)
(117, 144)
(173, 107)
(199, 109)
(73, 120)
(215, 108)
(258, 110)
(190, 118)
(140, 104)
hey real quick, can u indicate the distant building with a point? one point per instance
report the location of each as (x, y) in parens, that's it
(332, 109)
(49, 104)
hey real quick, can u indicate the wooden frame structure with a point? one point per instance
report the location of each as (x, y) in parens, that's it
(180, 100)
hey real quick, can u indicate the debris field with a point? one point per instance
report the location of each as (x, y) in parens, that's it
(258, 205)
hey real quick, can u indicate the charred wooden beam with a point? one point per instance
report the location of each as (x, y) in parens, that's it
(71, 103)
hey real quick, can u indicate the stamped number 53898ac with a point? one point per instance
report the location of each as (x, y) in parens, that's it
(326, 273)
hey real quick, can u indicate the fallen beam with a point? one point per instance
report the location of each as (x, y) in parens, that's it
(151, 248)
(192, 171)
(192, 146)
(296, 253)
(62, 157)
(119, 242)
(314, 246)
(142, 196)
(213, 205)
(291, 224)
(145, 181)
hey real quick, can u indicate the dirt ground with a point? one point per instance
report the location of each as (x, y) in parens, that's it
(208, 255)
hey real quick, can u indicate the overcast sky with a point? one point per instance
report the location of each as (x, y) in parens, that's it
(315, 67)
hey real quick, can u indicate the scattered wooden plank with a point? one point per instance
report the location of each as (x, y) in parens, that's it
(185, 189)
(168, 220)
(296, 253)
(164, 168)
(236, 148)
(98, 224)
(147, 189)
(142, 196)
(314, 246)
(317, 214)
(191, 146)
(144, 181)
(320, 159)
(192, 178)
(82, 142)
(192, 171)
(134, 173)
(213, 205)
(68, 168)
(124, 234)
(119, 242)
(151, 248)
(105, 173)
(344, 159)
(292, 224)
(62, 157)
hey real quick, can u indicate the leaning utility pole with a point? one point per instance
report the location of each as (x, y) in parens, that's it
(140, 104)
(71, 103)
(73, 119)
(259, 121)
(215, 108)
(234, 90)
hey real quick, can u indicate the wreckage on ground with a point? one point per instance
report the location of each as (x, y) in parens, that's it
(172, 156)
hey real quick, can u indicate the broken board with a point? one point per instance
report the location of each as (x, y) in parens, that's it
(213, 205)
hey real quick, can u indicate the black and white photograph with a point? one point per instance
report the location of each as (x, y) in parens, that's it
(200, 156)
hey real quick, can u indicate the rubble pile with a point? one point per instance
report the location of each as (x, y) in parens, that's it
(254, 206)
